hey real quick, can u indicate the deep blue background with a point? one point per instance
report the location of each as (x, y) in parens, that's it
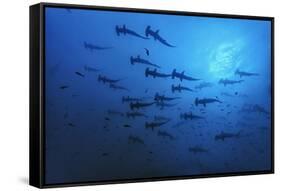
(81, 145)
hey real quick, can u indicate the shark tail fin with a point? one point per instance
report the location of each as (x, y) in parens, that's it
(196, 101)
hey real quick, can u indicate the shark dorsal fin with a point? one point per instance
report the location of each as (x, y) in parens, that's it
(182, 73)
(138, 56)
(155, 70)
(157, 31)
(124, 27)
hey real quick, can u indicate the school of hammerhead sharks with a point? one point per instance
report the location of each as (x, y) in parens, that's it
(137, 105)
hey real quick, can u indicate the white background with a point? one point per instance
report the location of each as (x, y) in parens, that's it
(14, 90)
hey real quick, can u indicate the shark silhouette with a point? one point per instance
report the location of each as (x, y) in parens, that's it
(205, 101)
(140, 60)
(155, 74)
(229, 82)
(93, 47)
(182, 76)
(124, 30)
(156, 36)
(180, 88)
(241, 73)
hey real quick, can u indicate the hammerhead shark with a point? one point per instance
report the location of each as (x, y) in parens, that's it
(162, 98)
(206, 101)
(124, 30)
(165, 134)
(140, 60)
(93, 47)
(155, 74)
(203, 85)
(154, 124)
(241, 73)
(223, 135)
(105, 79)
(138, 105)
(179, 88)
(161, 118)
(229, 82)
(90, 69)
(156, 36)
(162, 105)
(197, 149)
(117, 87)
(182, 76)
(135, 114)
(130, 99)
(190, 116)
(114, 112)
(135, 139)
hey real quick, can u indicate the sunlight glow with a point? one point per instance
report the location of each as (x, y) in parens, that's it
(225, 59)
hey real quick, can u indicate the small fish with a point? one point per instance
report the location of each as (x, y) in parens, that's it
(64, 87)
(105, 154)
(135, 139)
(90, 69)
(107, 119)
(71, 125)
(127, 126)
(65, 115)
(114, 112)
(165, 134)
(197, 149)
(79, 74)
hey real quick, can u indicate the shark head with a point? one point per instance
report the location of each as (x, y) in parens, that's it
(237, 71)
(146, 72)
(117, 29)
(85, 44)
(99, 78)
(132, 60)
(132, 106)
(174, 73)
(173, 88)
(217, 137)
(147, 31)
(196, 101)
(156, 96)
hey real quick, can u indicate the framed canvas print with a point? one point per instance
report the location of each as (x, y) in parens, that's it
(126, 95)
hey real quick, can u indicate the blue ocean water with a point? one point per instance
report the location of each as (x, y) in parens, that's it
(185, 96)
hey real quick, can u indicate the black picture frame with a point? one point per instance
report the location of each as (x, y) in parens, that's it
(37, 89)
